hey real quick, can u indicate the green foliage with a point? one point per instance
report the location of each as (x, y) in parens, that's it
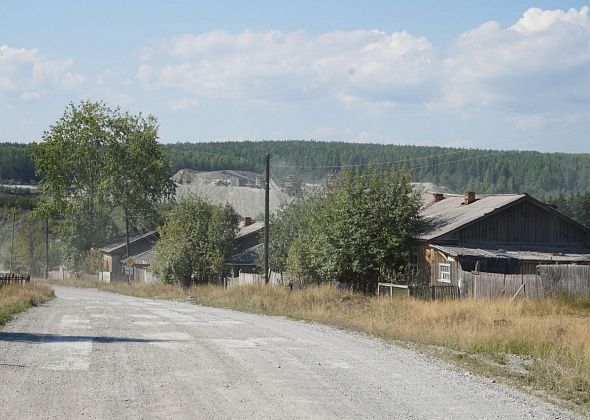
(576, 206)
(16, 165)
(289, 223)
(93, 161)
(21, 198)
(29, 247)
(195, 240)
(543, 175)
(485, 171)
(361, 229)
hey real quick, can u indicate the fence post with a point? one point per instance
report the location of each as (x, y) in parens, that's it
(433, 291)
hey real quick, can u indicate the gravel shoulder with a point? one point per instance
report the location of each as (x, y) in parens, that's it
(101, 355)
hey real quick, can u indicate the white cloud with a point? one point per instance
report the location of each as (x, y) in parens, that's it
(27, 74)
(540, 62)
(328, 133)
(275, 66)
(182, 104)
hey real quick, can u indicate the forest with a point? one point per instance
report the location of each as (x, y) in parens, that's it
(544, 175)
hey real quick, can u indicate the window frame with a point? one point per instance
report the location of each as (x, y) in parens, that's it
(443, 278)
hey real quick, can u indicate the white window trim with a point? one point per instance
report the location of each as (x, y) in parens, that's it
(441, 279)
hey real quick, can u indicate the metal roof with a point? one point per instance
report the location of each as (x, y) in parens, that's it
(143, 258)
(112, 248)
(254, 227)
(450, 213)
(531, 253)
(246, 257)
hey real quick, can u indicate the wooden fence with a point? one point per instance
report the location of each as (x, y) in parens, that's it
(12, 278)
(275, 279)
(432, 292)
(568, 280)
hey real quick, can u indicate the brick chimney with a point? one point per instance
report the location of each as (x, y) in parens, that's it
(469, 198)
(436, 197)
(247, 221)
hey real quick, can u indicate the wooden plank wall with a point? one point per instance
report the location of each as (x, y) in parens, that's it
(492, 285)
(524, 223)
(568, 280)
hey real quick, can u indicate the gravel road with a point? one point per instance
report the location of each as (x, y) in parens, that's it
(91, 354)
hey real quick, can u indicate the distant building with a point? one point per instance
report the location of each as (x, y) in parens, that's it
(113, 255)
(500, 233)
(247, 248)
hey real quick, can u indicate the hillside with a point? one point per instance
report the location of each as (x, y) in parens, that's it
(544, 175)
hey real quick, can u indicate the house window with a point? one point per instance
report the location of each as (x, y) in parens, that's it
(444, 273)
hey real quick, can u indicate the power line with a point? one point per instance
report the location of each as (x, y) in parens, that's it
(527, 141)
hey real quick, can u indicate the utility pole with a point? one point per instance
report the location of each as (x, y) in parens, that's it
(46, 273)
(12, 240)
(127, 245)
(266, 215)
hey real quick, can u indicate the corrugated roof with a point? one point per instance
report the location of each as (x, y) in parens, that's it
(108, 249)
(143, 258)
(450, 213)
(254, 227)
(246, 257)
(531, 253)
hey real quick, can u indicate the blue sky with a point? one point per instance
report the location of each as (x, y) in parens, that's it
(502, 74)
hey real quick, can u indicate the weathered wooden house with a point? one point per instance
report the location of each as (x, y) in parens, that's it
(113, 255)
(500, 233)
(247, 248)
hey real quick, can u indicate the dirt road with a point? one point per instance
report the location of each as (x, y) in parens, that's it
(90, 354)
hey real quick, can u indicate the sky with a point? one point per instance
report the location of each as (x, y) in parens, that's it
(478, 74)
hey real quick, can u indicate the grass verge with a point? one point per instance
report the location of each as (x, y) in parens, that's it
(16, 298)
(542, 345)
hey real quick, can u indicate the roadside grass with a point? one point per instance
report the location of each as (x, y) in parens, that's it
(541, 344)
(16, 298)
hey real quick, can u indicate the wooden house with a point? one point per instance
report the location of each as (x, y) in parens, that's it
(500, 233)
(247, 248)
(114, 254)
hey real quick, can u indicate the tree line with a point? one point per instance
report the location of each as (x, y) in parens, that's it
(544, 175)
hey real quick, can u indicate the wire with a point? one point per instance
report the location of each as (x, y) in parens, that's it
(369, 164)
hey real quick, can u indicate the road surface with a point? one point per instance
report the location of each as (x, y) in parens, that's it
(91, 354)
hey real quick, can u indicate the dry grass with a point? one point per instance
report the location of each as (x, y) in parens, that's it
(543, 344)
(16, 298)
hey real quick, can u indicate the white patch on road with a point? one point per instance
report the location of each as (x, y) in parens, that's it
(144, 316)
(233, 343)
(192, 323)
(337, 364)
(102, 316)
(74, 322)
(150, 323)
(171, 340)
(67, 356)
(227, 322)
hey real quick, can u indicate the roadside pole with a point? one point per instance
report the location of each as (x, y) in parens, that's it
(46, 271)
(266, 215)
(12, 240)
(127, 268)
